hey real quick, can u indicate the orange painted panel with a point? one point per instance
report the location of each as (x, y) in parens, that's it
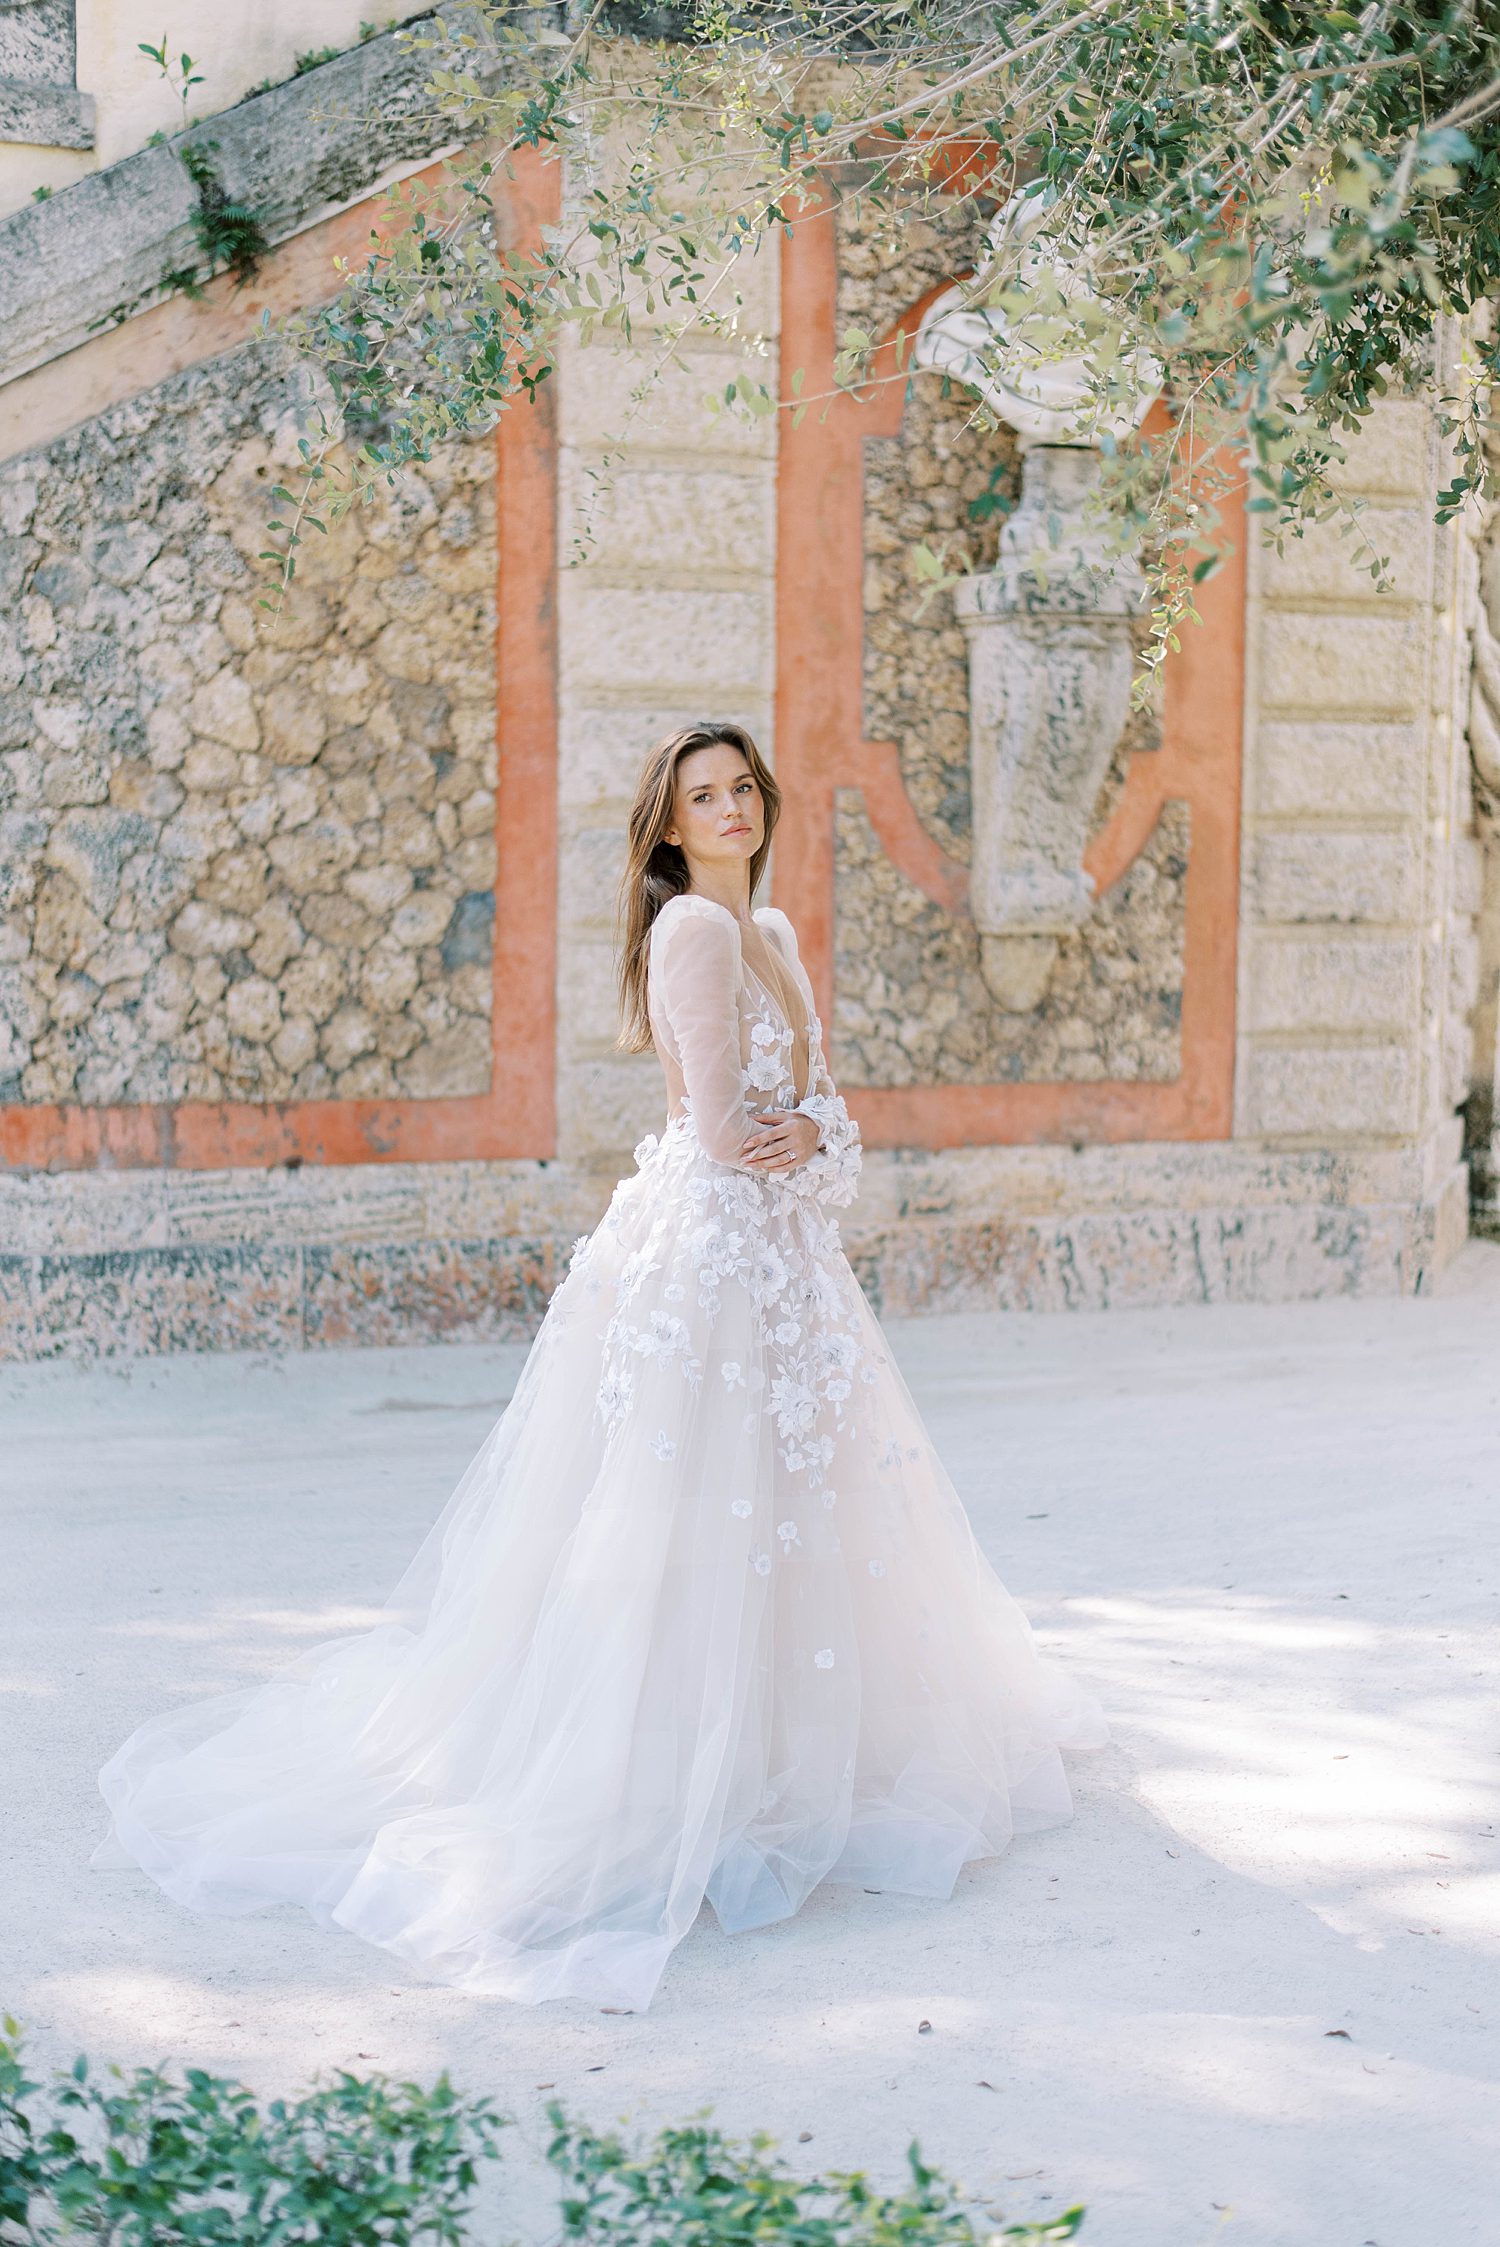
(820, 748)
(516, 1117)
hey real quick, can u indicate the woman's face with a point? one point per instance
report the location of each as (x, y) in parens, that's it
(718, 813)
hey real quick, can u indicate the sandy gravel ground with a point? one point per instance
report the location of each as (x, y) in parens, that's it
(1267, 1536)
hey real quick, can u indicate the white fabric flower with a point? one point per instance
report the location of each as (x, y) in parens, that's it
(742, 1509)
(761, 1563)
(824, 1658)
(789, 1534)
(793, 1403)
(733, 1377)
(877, 1568)
(615, 1392)
(662, 1445)
(768, 1272)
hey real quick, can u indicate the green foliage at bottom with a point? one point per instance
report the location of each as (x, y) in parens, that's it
(141, 2158)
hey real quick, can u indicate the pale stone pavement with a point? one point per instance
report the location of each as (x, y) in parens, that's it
(1266, 1535)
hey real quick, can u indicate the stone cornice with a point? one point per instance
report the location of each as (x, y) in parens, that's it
(96, 253)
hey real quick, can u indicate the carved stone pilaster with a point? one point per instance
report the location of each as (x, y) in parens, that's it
(1050, 660)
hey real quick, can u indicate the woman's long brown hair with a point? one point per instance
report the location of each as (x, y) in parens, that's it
(656, 870)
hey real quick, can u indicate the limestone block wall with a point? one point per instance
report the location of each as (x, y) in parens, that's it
(1357, 974)
(263, 869)
(665, 612)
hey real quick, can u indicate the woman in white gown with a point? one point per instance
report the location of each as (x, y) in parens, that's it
(704, 1617)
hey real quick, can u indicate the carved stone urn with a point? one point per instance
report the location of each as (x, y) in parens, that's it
(1050, 641)
(1050, 660)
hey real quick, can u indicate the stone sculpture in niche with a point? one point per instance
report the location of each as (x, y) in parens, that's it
(1051, 646)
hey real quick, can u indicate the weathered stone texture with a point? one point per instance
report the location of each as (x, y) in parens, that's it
(912, 1008)
(240, 861)
(911, 1005)
(1332, 1092)
(1339, 662)
(108, 1263)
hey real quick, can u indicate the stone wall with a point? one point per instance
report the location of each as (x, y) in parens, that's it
(240, 860)
(1361, 870)
(912, 1006)
(259, 866)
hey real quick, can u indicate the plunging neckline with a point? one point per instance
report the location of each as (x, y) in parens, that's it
(802, 1038)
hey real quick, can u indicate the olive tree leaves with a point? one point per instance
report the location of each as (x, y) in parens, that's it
(1291, 208)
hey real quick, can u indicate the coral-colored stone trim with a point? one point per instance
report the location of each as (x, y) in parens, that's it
(516, 1117)
(820, 748)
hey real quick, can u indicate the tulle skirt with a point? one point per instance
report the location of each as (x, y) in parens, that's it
(704, 1619)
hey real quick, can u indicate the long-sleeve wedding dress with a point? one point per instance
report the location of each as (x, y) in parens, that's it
(704, 1617)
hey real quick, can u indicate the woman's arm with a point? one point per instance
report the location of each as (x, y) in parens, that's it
(832, 1174)
(696, 960)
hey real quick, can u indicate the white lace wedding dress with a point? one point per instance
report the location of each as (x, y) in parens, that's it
(704, 1618)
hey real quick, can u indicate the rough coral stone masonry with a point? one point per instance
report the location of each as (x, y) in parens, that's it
(240, 861)
(912, 1006)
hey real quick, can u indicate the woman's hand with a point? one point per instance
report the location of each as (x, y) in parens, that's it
(782, 1142)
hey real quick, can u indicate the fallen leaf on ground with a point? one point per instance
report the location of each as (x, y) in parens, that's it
(924, 2028)
(630, 2009)
(804, 2137)
(984, 2085)
(1344, 2033)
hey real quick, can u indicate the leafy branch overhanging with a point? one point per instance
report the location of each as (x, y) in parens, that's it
(1293, 209)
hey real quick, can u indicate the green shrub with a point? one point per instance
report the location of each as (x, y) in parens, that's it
(141, 2159)
(699, 2189)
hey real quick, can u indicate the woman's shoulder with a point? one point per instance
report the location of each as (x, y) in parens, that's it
(774, 921)
(687, 907)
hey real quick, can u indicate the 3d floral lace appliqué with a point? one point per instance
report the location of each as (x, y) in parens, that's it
(772, 1237)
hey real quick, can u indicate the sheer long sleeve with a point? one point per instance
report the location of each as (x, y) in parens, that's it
(832, 1174)
(695, 965)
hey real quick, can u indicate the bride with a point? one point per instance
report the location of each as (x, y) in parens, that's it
(704, 1617)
